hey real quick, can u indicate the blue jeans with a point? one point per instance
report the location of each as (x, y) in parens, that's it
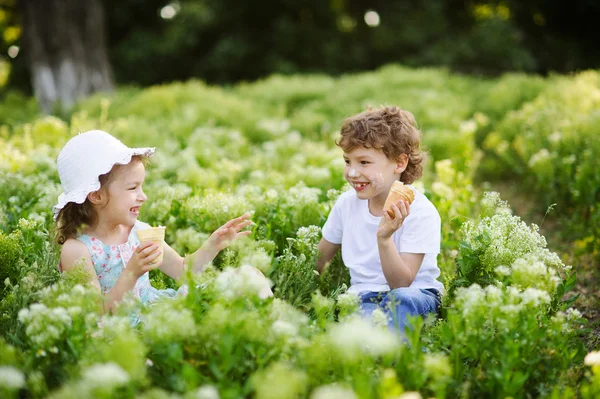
(397, 304)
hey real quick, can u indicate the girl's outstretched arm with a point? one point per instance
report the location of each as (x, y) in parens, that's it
(173, 264)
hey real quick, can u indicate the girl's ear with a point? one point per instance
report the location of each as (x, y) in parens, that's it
(401, 163)
(97, 197)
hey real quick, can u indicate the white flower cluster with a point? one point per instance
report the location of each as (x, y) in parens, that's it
(105, 376)
(527, 272)
(502, 239)
(437, 365)
(206, 392)
(592, 359)
(243, 281)
(302, 196)
(322, 304)
(11, 378)
(259, 258)
(492, 204)
(45, 326)
(279, 380)
(565, 321)
(166, 323)
(347, 303)
(379, 318)
(356, 337)
(541, 159)
(499, 305)
(442, 190)
(287, 320)
(333, 391)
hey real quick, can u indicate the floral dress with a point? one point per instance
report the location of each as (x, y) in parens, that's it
(110, 260)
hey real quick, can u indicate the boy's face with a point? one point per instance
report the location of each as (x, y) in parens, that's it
(371, 173)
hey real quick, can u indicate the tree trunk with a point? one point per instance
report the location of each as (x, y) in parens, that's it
(65, 44)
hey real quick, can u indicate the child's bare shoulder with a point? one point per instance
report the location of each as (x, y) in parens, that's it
(72, 251)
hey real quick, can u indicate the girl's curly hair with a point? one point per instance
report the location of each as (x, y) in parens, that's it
(389, 129)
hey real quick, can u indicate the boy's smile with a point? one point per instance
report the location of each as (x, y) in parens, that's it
(371, 174)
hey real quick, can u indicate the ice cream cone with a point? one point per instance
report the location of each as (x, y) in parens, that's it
(157, 236)
(398, 192)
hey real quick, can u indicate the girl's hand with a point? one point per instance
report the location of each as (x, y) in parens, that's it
(143, 259)
(388, 226)
(226, 234)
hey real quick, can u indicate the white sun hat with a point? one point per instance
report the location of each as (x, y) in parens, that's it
(84, 158)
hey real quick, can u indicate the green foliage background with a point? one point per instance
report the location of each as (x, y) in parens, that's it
(507, 327)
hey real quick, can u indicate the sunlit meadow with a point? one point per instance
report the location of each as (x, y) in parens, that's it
(508, 327)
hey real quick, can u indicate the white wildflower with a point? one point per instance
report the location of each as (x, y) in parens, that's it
(410, 395)
(166, 324)
(348, 303)
(78, 289)
(442, 190)
(511, 310)
(106, 375)
(535, 297)
(502, 270)
(437, 364)
(207, 392)
(283, 328)
(539, 157)
(333, 391)
(470, 298)
(379, 318)
(494, 295)
(573, 314)
(271, 194)
(11, 378)
(259, 258)
(23, 315)
(592, 359)
(356, 337)
(38, 307)
(242, 281)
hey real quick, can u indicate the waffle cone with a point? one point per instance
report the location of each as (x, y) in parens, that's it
(398, 192)
(157, 236)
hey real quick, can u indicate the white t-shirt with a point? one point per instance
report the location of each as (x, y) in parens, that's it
(351, 224)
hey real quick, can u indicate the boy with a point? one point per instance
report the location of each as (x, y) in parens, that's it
(392, 261)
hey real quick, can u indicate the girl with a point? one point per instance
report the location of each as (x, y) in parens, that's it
(97, 220)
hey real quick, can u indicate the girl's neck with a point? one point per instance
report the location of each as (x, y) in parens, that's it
(109, 233)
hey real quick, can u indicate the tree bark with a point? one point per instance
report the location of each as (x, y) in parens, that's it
(65, 44)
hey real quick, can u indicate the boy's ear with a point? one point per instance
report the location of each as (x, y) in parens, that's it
(401, 163)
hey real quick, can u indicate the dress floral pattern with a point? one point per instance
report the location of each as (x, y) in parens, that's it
(110, 260)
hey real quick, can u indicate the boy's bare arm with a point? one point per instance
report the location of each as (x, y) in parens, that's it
(399, 269)
(327, 251)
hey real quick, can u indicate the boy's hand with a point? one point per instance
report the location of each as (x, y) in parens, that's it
(388, 226)
(143, 259)
(224, 235)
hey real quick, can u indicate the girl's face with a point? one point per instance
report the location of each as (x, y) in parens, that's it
(124, 194)
(371, 173)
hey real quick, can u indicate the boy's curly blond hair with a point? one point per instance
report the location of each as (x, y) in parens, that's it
(389, 129)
